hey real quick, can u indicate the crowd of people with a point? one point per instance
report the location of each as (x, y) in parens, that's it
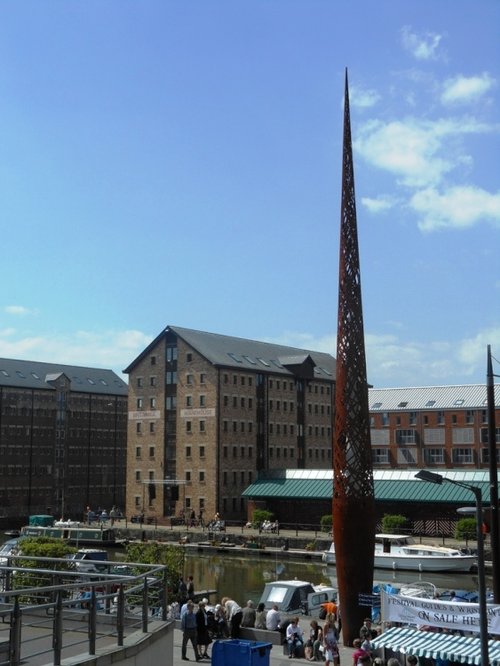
(201, 624)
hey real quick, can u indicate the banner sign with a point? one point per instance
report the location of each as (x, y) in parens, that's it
(435, 613)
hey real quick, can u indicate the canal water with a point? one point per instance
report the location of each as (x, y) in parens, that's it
(243, 577)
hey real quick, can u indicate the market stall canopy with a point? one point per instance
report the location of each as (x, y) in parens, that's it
(434, 645)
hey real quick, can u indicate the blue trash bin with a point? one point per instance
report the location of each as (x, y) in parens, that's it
(235, 652)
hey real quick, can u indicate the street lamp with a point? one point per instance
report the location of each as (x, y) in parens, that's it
(432, 477)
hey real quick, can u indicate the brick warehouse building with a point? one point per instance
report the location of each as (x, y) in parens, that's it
(62, 439)
(208, 412)
(443, 428)
(431, 426)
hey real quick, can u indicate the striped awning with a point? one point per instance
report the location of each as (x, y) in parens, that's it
(429, 644)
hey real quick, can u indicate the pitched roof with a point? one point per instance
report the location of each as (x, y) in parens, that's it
(230, 352)
(390, 486)
(36, 374)
(459, 396)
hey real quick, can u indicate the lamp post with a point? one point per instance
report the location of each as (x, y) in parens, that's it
(432, 477)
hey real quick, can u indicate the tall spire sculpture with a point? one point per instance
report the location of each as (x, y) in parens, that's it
(353, 493)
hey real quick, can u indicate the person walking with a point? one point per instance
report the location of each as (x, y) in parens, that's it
(189, 632)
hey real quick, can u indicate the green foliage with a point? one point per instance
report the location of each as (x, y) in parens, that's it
(153, 552)
(393, 523)
(466, 528)
(326, 523)
(39, 547)
(45, 547)
(260, 515)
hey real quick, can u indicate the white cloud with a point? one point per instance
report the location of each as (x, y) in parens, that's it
(472, 351)
(457, 207)
(462, 89)
(422, 47)
(409, 149)
(414, 150)
(362, 98)
(19, 310)
(394, 361)
(379, 204)
(106, 349)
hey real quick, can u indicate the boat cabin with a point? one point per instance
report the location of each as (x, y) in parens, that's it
(296, 596)
(386, 543)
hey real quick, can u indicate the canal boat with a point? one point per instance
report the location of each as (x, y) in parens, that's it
(401, 552)
(73, 532)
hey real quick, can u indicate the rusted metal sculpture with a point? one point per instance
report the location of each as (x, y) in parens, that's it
(353, 494)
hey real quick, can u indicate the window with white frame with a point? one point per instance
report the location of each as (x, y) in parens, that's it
(434, 456)
(462, 456)
(406, 437)
(485, 436)
(485, 456)
(380, 456)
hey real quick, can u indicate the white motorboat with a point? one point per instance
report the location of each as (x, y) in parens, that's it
(296, 596)
(90, 560)
(401, 552)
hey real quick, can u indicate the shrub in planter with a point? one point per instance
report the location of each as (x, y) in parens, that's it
(393, 523)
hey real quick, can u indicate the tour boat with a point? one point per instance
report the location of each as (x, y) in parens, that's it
(399, 551)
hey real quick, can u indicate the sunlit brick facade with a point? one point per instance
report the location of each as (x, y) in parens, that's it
(208, 412)
(431, 426)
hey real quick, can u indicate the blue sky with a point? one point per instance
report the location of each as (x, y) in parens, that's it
(179, 162)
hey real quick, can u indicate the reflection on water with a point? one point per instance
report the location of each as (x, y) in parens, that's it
(244, 578)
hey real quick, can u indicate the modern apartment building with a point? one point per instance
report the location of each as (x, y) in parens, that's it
(62, 439)
(432, 426)
(209, 412)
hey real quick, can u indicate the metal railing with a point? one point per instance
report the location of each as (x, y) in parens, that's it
(42, 607)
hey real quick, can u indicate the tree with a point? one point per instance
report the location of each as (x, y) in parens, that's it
(466, 528)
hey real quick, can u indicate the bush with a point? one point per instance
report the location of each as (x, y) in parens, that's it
(260, 515)
(393, 523)
(326, 523)
(466, 528)
(153, 552)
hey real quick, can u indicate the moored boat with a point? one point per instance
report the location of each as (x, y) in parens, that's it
(296, 596)
(401, 552)
(70, 531)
